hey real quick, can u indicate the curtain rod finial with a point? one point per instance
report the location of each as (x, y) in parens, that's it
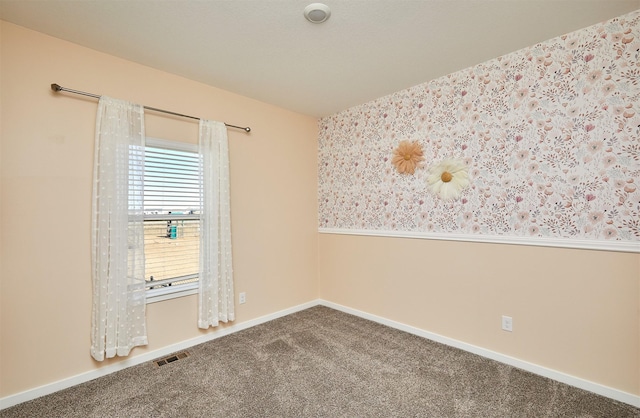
(56, 87)
(247, 129)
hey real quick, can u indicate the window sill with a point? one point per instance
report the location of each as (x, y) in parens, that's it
(171, 292)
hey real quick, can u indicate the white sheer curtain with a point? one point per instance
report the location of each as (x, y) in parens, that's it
(118, 317)
(216, 297)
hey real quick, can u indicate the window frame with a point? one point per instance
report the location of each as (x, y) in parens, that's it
(171, 292)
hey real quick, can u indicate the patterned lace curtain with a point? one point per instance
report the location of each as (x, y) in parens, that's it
(216, 297)
(118, 317)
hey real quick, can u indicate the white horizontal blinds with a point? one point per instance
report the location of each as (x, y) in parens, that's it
(171, 182)
(171, 211)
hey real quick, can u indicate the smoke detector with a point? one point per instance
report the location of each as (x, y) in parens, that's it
(317, 12)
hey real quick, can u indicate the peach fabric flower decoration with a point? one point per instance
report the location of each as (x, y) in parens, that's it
(448, 179)
(407, 157)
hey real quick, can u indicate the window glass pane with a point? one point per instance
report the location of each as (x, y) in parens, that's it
(171, 183)
(172, 250)
(171, 209)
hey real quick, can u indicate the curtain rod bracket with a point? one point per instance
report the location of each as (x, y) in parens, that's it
(58, 88)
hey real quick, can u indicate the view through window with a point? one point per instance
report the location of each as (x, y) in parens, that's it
(171, 217)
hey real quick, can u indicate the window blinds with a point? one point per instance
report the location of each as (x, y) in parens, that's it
(171, 214)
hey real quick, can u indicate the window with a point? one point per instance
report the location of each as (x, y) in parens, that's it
(171, 219)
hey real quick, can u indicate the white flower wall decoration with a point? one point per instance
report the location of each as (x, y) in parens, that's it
(448, 179)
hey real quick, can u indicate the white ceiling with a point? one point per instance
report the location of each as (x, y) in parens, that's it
(266, 50)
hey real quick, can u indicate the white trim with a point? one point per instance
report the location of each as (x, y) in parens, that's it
(577, 382)
(166, 293)
(618, 246)
(49, 388)
(169, 144)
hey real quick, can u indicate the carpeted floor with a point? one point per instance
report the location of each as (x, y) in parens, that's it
(323, 363)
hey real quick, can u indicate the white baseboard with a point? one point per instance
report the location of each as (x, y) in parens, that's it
(49, 388)
(618, 395)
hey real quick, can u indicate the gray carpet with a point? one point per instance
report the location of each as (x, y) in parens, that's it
(323, 363)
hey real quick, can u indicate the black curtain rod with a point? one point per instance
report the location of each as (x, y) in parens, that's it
(58, 88)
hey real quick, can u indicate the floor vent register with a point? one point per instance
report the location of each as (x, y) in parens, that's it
(171, 358)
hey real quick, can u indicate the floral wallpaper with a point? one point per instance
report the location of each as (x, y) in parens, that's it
(550, 136)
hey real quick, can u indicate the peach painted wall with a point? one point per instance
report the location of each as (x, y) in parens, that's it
(47, 163)
(574, 311)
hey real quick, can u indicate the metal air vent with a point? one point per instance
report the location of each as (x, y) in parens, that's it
(171, 358)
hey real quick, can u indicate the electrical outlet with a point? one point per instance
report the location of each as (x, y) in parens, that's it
(507, 323)
(242, 297)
